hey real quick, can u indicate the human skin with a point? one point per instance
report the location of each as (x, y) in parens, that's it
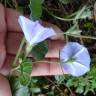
(14, 37)
(10, 40)
(4, 84)
(4, 87)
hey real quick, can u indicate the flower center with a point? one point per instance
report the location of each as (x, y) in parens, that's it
(70, 61)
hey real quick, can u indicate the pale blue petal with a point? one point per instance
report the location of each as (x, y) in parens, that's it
(27, 25)
(34, 32)
(75, 69)
(83, 58)
(76, 47)
(66, 53)
(42, 35)
(69, 50)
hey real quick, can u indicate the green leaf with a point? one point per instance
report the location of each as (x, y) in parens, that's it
(70, 83)
(60, 79)
(83, 13)
(80, 89)
(35, 90)
(22, 91)
(36, 9)
(74, 30)
(50, 93)
(89, 25)
(25, 79)
(39, 51)
(25, 72)
(65, 1)
(17, 88)
(26, 66)
(94, 84)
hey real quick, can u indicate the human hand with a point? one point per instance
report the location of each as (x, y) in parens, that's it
(10, 37)
(13, 38)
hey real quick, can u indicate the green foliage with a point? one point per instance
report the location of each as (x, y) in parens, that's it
(74, 30)
(17, 88)
(24, 79)
(34, 88)
(25, 70)
(36, 9)
(39, 51)
(89, 25)
(82, 13)
(60, 79)
(83, 84)
(47, 86)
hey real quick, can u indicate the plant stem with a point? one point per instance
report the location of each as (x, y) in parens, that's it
(28, 51)
(18, 52)
(80, 12)
(67, 39)
(65, 84)
(14, 69)
(55, 85)
(81, 40)
(82, 36)
(46, 62)
(62, 19)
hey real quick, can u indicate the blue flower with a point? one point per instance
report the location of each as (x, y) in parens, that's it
(34, 32)
(75, 59)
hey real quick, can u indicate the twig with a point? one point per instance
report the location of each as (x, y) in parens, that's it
(18, 52)
(46, 62)
(55, 85)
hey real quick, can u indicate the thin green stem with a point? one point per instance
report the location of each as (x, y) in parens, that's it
(85, 37)
(14, 69)
(63, 19)
(67, 39)
(81, 40)
(80, 12)
(45, 61)
(18, 52)
(28, 51)
(64, 83)
(82, 36)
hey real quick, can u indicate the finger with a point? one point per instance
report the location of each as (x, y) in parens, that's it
(14, 38)
(2, 35)
(12, 20)
(4, 87)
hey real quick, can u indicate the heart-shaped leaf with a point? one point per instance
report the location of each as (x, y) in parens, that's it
(36, 9)
(40, 50)
(25, 72)
(17, 88)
